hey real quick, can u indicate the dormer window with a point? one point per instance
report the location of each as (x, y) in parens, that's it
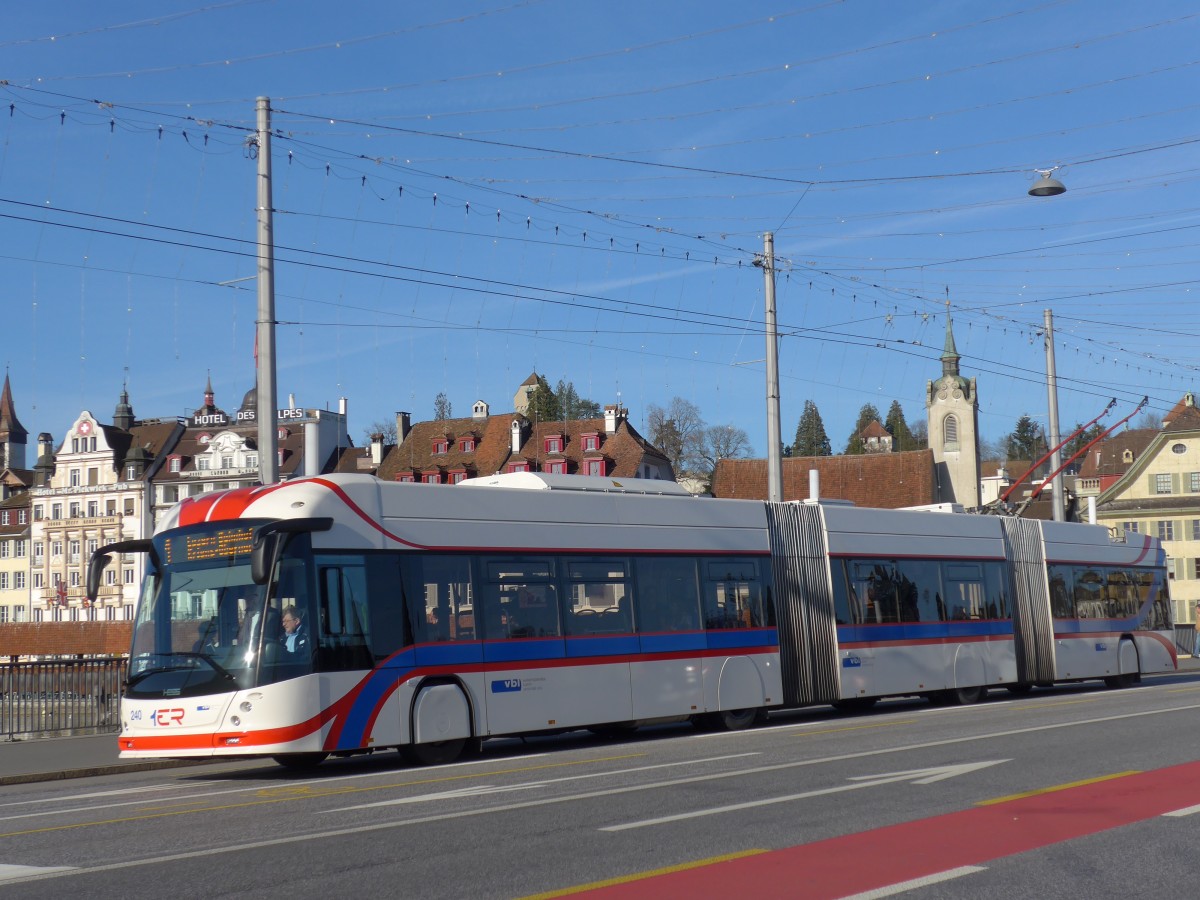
(590, 441)
(441, 447)
(406, 477)
(175, 463)
(456, 475)
(1127, 456)
(554, 443)
(594, 466)
(466, 443)
(522, 466)
(431, 477)
(204, 438)
(555, 467)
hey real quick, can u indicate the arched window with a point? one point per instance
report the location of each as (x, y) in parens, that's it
(950, 433)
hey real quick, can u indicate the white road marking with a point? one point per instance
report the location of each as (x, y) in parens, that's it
(901, 886)
(916, 776)
(1186, 811)
(9, 873)
(183, 796)
(528, 785)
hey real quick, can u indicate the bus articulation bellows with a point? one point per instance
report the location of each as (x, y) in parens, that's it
(431, 618)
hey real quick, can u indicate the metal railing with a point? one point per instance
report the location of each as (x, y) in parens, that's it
(60, 697)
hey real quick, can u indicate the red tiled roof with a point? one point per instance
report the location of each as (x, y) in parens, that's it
(883, 480)
(1108, 456)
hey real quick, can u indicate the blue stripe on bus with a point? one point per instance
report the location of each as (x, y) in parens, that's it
(741, 637)
(673, 642)
(902, 631)
(602, 645)
(526, 649)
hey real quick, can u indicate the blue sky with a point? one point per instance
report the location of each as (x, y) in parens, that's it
(469, 191)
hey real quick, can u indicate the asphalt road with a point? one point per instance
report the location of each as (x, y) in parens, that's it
(1071, 792)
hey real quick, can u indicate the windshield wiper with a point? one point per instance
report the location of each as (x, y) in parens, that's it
(186, 655)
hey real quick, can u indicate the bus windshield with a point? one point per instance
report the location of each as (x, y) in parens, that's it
(203, 626)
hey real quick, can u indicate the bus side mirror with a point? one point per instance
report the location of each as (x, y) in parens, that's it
(262, 556)
(96, 565)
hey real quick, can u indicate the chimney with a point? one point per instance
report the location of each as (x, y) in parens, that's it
(613, 416)
(518, 435)
(376, 449)
(403, 426)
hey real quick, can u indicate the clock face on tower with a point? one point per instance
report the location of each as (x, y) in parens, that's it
(84, 428)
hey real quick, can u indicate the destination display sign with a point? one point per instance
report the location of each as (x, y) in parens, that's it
(216, 545)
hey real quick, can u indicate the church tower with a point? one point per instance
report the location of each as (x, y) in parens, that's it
(952, 407)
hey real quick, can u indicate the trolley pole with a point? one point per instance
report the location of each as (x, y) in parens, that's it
(774, 436)
(268, 454)
(1056, 483)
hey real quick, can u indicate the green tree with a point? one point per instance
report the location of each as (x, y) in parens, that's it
(866, 416)
(811, 439)
(902, 436)
(572, 406)
(441, 408)
(1026, 441)
(543, 403)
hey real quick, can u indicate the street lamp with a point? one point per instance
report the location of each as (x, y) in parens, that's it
(1047, 186)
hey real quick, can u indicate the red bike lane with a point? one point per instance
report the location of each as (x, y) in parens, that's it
(925, 848)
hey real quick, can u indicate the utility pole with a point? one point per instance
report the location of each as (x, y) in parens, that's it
(1056, 484)
(268, 453)
(774, 436)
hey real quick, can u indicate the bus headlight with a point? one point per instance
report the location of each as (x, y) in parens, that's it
(246, 706)
(235, 721)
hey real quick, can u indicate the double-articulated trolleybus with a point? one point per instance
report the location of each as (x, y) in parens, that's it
(345, 614)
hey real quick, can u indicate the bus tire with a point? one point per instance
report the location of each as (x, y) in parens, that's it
(727, 719)
(965, 696)
(1123, 679)
(434, 753)
(298, 761)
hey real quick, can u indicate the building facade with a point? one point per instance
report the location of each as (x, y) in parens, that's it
(1159, 494)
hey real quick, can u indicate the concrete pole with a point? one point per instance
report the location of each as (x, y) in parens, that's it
(1056, 487)
(268, 453)
(774, 436)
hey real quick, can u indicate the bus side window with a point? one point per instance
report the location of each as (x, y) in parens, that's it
(666, 598)
(342, 595)
(732, 595)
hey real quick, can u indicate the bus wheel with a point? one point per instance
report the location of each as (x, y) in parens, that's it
(435, 753)
(965, 696)
(727, 719)
(300, 760)
(855, 704)
(1128, 665)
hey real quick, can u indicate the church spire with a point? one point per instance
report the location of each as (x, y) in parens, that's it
(950, 355)
(13, 435)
